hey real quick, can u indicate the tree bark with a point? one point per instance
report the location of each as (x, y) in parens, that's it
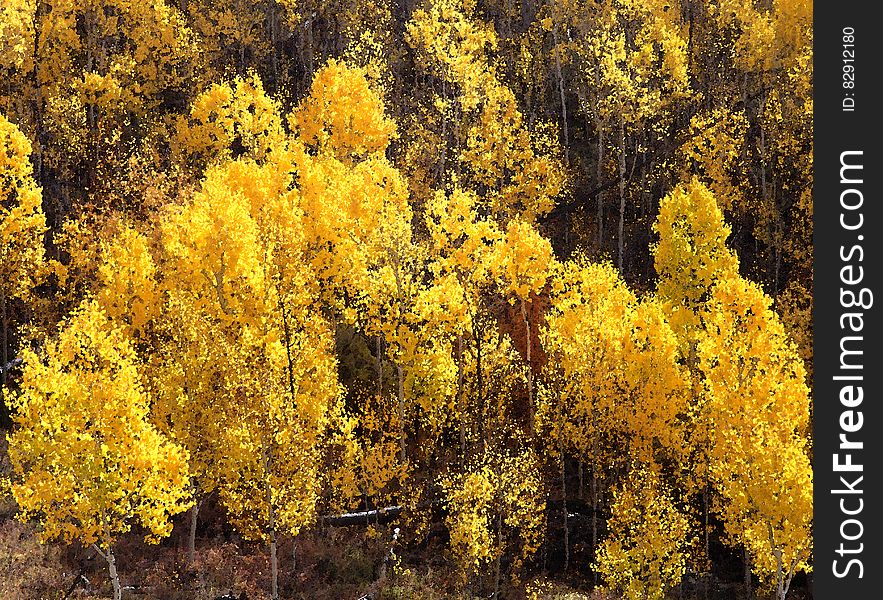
(563, 99)
(111, 569)
(599, 170)
(191, 538)
(620, 241)
(499, 554)
(460, 397)
(274, 563)
(527, 352)
(749, 590)
(564, 509)
(271, 513)
(379, 345)
(4, 364)
(401, 395)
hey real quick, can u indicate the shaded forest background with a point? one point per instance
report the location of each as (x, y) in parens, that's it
(532, 277)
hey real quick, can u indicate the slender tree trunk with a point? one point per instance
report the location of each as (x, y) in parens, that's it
(599, 172)
(379, 366)
(594, 519)
(562, 97)
(191, 538)
(401, 395)
(780, 580)
(620, 240)
(460, 397)
(108, 556)
(38, 100)
(749, 589)
(707, 541)
(310, 66)
(114, 576)
(527, 344)
(4, 333)
(272, 25)
(499, 554)
(480, 387)
(564, 508)
(580, 473)
(274, 563)
(271, 512)
(292, 388)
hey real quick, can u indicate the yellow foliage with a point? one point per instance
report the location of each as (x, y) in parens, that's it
(613, 380)
(757, 415)
(691, 254)
(239, 112)
(493, 505)
(343, 115)
(645, 553)
(22, 224)
(519, 170)
(87, 462)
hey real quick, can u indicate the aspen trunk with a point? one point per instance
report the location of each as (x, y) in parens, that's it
(108, 556)
(594, 510)
(563, 99)
(271, 513)
(707, 541)
(564, 505)
(749, 590)
(114, 576)
(4, 332)
(529, 367)
(191, 538)
(621, 193)
(580, 474)
(499, 553)
(274, 564)
(460, 402)
(401, 394)
(598, 173)
(379, 345)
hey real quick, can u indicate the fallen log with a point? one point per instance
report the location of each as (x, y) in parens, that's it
(363, 517)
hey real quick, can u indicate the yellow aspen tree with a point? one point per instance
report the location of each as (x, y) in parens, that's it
(87, 74)
(690, 257)
(645, 553)
(22, 225)
(494, 506)
(461, 246)
(691, 254)
(236, 36)
(757, 408)
(517, 171)
(22, 222)
(126, 286)
(767, 51)
(87, 462)
(615, 373)
(235, 254)
(229, 120)
(714, 154)
(631, 58)
(787, 120)
(358, 221)
(613, 379)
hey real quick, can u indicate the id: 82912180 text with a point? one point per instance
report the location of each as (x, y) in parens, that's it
(848, 79)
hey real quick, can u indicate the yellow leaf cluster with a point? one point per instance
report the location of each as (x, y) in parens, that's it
(87, 462)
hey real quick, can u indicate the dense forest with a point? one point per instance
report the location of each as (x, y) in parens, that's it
(405, 299)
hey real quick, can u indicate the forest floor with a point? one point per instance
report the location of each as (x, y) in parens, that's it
(329, 565)
(334, 563)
